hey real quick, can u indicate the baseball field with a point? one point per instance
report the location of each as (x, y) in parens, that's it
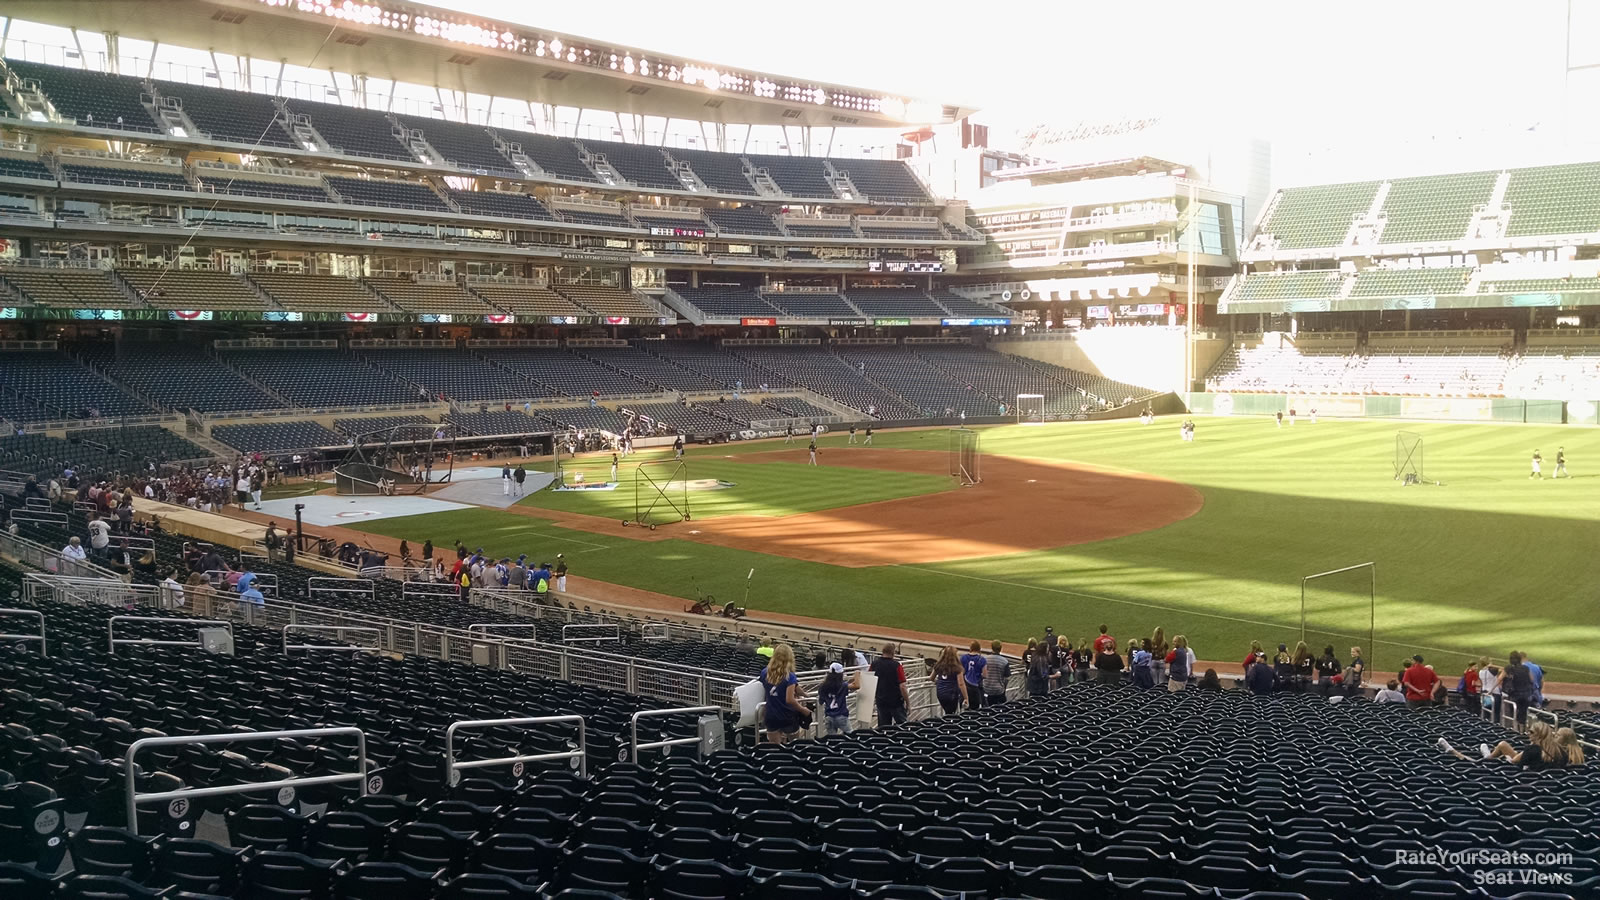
(1118, 523)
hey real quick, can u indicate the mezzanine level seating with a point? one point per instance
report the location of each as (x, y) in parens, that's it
(811, 304)
(222, 181)
(66, 287)
(531, 300)
(608, 301)
(125, 176)
(500, 203)
(318, 293)
(743, 220)
(445, 297)
(397, 194)
(1434, 207)
(199, 289)
(727, 300)
(20, 167)
(1554, 200)
(895, 302)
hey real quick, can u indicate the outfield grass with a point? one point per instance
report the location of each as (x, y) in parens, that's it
(759, 489)
(1489, 562)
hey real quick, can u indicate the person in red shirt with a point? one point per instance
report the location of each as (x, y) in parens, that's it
(1255, 651)
(1105, 643)
(1420, 682)
(1469, 685)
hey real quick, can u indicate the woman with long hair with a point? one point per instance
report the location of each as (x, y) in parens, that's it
(948, 684)
(1329, 667)
(1250, 658)
(1159, 648)
(1544, 750)
(1179, 664)
(1305, 665)
(785, 714)
(1210, 681)
(1567, 740)
(1041, 675)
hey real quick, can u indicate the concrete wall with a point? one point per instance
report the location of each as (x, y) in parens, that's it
(1149, 357)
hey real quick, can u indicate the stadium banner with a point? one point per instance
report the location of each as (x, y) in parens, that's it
(897, 321)
(758, 321)
(189, 315)
(274, 315)
(980, 321)
(1338, 407)
(8, 312)
(1453, 408)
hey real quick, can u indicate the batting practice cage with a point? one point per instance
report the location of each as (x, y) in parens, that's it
(1408, 458)
(660, 493)
(1030, 409)
(964, 455)
(382, 461)
(1340, 608)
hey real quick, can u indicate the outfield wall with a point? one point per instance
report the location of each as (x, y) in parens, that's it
(1444, 409)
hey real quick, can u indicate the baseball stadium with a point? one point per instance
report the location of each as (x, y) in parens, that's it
(449, 456)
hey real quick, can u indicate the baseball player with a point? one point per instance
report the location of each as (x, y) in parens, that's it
(813, 450)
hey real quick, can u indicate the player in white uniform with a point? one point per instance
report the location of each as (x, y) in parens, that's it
(1537, 459)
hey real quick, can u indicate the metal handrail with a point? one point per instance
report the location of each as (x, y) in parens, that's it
(633, 729)
(43, 651)
(451, 765)
(113, 641)
(603, 632)
(338, 631)
(184, 793)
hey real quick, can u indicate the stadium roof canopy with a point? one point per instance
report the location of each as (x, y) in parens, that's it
(425, 45)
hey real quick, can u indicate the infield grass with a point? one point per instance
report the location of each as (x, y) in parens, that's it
(1488, 562)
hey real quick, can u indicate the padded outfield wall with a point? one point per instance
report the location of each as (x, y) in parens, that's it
(1443, 409)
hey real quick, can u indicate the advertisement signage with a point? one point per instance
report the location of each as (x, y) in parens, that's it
(616, 320)
(435, 318)
(758, 321)
(8, 312)
(499, 320)
(273, 315)
(110, 315)
(844, 321)
(891, 321)
(904, 265)
(975, 321)
(1099, 312)
(190, 315)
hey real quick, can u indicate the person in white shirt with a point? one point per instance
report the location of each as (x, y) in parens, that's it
(74, 550)
(1390, 694)
(99, 534)
(171, 591)
(242, 486)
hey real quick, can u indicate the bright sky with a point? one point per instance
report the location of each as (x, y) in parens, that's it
(1299, 71)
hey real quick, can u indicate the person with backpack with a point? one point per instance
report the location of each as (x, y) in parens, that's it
(1180, 664)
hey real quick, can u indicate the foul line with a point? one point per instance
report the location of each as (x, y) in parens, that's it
(573, 540)
(1181, 610)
